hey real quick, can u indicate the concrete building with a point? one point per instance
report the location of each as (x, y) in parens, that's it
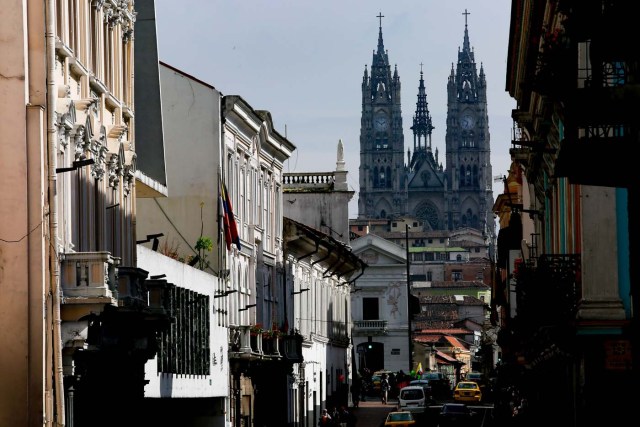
(381, 335)
(565, 293)
(79, 326)
(321, 272)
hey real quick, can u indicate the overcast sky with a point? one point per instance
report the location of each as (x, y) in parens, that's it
(303, 60)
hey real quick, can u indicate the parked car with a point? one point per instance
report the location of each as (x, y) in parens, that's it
(467, 391)
(400, 419)
(412, 398)
(455, 414)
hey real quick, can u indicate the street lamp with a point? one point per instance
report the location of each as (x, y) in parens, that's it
(406, 243)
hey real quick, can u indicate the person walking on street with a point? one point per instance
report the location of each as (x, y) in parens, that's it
(325, 419)
(355, 391)
(384, 388)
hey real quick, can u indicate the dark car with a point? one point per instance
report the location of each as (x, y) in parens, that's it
(455, 414)
(440, 384)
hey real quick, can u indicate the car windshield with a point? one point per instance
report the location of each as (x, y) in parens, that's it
(411, 394)
(400, 416)
(467, 385)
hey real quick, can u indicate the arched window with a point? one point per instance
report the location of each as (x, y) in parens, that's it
(389, 176)
(375, 177)
(475, 176)
(468, 176)
(462, 176)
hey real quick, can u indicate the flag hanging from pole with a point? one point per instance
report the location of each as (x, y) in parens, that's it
(419, 371)
(228, 220)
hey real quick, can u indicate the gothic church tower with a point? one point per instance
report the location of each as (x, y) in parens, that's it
(469, 197)
(382, 171)
(443, 199)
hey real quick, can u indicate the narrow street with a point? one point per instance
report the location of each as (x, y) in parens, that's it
(372, 413)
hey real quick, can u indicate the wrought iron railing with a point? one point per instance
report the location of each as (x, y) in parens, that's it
(548, 293)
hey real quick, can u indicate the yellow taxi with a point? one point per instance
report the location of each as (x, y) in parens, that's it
(400, 419)
(467, 391)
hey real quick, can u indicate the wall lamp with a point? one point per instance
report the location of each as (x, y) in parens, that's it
(247, 307)
(151, 237)
(225, 293)
(300, 291)
(75, 165)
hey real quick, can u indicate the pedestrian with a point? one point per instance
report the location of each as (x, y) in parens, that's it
(335, 416)
(343, 417)
(384, 388)
(355, 391)
(325, 419)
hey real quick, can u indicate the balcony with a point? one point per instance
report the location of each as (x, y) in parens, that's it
(89, 277)
(132, 291)
(369, 327)
(548, 294)
(253, 346)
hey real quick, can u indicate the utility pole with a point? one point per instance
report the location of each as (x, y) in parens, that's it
(406, 243)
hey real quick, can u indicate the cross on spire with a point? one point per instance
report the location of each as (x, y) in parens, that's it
(421, 68)
(380, 16)
(465, 13)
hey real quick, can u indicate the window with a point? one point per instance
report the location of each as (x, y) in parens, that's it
(456, 275)
(429, 276)
(370, 309)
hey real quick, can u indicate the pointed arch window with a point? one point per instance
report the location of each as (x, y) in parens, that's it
(468, 177)
(475, 176)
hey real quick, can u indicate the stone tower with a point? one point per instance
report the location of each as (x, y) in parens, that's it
(469, 196)
(444, 199)
(382, 171)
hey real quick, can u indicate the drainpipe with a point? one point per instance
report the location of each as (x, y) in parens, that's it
(54, 266)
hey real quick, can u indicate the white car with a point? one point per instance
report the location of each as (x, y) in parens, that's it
(413, 399)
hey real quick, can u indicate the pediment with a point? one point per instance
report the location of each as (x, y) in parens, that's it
(374, 250)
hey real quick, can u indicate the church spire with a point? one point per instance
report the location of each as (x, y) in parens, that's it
(380, 43)
(422, 124)
(465, 44)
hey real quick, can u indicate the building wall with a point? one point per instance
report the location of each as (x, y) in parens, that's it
(192, 135)
(384, 279)
(182, 386)
(23, 223)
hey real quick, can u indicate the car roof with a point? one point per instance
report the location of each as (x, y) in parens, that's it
(412, 387)
(454, 406)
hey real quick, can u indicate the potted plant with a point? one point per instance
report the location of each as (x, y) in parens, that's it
(256, 329)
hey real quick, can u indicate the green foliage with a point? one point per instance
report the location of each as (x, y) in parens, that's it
(203, 245)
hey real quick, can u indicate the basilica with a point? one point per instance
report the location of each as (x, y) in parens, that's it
(411, 181)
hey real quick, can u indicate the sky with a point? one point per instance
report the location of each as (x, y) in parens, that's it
(304, 60)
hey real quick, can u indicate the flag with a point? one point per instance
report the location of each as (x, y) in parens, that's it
(228, 220)
(419, 371)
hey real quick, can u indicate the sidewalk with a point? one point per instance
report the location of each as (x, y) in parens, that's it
(372, 413)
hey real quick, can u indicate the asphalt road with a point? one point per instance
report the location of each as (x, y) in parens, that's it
(372, 413)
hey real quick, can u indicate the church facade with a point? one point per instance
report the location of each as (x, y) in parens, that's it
(418, 185)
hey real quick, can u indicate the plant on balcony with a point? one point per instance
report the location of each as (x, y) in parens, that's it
(256, 329)
(273, 333)
(553, 62)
